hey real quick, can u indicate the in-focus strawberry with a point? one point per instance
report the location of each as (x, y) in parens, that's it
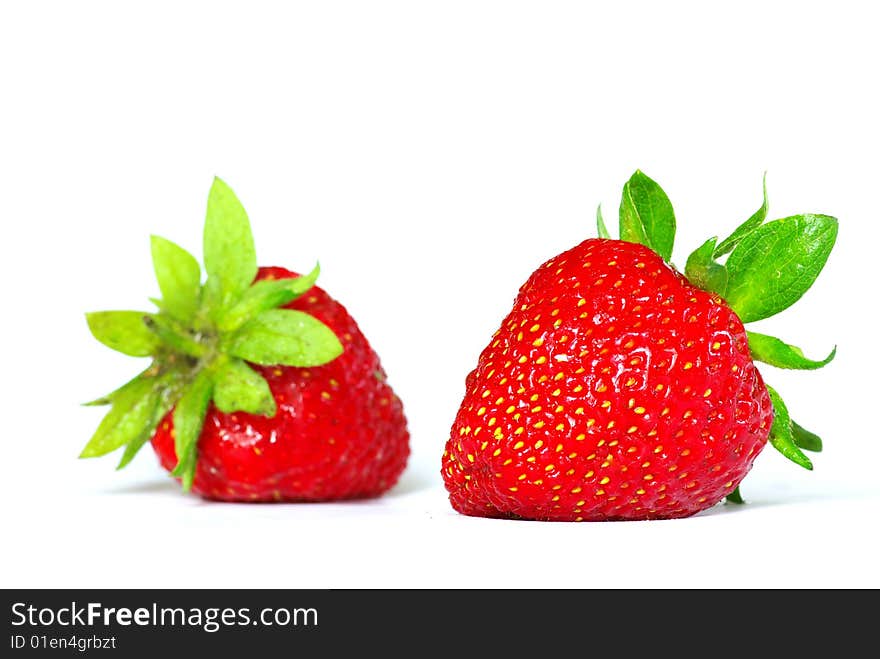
(618, 388)
(261, 387)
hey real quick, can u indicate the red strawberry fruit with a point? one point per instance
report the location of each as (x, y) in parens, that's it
(261, 387)
(619, 389)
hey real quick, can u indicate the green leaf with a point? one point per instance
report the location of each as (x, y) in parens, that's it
(238, 387)
(702, 270)
(189, 417)
(109, 398)
(646, 215)
(781, 435)
(774, 265)
(174, 336)
(600, 223)
(179, 277)
(267, 294)
(770, 350)
(230, 258)
(735, 496)
(132, 409)
(756, 220)
(133, 447)
(124, 331)
(805, 439)
(285, 336)
(168, 392)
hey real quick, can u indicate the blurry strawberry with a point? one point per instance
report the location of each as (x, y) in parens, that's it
(617, 388)
(262, 387)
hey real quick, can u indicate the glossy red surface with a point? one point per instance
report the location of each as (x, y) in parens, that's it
(613, 390)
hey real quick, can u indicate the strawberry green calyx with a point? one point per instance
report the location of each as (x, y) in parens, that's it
(600, 223)
(768, 267)
(646, 215)
(781, 433)
(703, 271)
(756, 220)
(203, 337)
(770, 350)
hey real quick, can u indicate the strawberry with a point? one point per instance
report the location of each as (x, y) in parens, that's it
(618, 388)
(261, 387)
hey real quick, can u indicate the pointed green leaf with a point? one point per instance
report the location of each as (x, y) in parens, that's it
(189, 417)
(179, 277)
(756, 220)
(174, 336)
(109, 398)
(805, 439)
(735, 496)
(238, 387)
(267, 294)
(124, 331)
(774, 265)
(646, 215)
(285, 336)
(168, 388)
(135, 445)
(702, 270)
(781, 435)
(230, 258)
(600, 223)
(770, 350)
(132, 409)
(630, 227)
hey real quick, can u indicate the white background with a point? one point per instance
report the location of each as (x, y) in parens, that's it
(430, 155)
